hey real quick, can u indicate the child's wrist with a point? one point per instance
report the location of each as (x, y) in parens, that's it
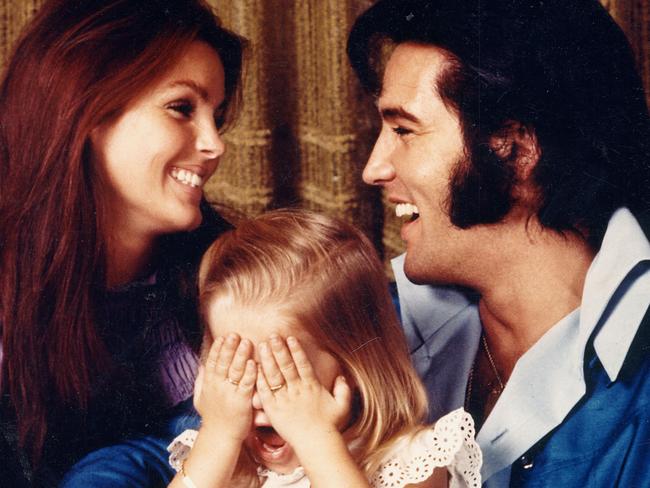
(222, 432)
(321, 439)
(327, 457)
(185, 478)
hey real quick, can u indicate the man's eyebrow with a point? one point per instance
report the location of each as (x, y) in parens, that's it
(390, 113)
(192, 85)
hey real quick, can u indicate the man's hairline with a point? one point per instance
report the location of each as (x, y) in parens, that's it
(450, 62)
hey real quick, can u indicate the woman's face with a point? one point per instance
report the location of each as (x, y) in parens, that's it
(157, 155)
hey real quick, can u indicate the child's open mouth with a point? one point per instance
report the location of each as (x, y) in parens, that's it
(269, 438)
(272, 450)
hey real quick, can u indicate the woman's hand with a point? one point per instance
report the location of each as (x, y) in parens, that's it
(302, 408)
(224, 388)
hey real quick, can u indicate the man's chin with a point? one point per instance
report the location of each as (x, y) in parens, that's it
(414, 271)
(421, 273)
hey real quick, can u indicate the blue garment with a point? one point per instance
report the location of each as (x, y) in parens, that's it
(558, 396)
(136, 463)
(605, 440)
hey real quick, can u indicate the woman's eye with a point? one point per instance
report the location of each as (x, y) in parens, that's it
(401, 131)
(183, 108)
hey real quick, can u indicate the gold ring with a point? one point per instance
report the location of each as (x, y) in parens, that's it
(233, 382)
(276, 388)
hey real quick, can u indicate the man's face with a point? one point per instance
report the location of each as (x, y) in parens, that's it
(415, 155)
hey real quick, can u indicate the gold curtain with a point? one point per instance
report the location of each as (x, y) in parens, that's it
(305, 129)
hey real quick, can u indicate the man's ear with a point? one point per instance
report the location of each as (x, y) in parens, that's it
(517, 144)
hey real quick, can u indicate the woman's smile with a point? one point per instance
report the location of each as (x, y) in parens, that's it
(158, 154)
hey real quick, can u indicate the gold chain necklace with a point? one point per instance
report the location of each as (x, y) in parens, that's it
(492, 365)
(470, 379)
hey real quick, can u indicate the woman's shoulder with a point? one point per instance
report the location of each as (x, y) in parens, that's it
(449, 443)
(180, 254)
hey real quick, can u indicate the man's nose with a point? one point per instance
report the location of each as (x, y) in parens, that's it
(379, 170)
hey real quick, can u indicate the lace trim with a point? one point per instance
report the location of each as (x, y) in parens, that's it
(296, 478)
(180, 448)
(450, 442)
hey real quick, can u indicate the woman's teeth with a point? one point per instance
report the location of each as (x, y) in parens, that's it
(187, 177)
(406, 210)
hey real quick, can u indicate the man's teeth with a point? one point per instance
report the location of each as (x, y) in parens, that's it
(187, 177)
(406, 209)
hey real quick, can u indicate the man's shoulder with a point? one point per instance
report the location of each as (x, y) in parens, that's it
(604, 441)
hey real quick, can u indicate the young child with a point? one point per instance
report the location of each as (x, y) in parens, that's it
(308, 380)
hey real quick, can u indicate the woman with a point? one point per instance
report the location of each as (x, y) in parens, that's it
(110, 121)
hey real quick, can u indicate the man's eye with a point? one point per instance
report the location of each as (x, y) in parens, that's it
(401, 131)
(184, 108)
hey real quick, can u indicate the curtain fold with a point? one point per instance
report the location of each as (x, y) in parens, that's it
(306, 129)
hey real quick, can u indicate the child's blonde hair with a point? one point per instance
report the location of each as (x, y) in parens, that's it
(325, 275)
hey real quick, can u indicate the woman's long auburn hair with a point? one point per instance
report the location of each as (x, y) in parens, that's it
(77, 64)
(324, 276)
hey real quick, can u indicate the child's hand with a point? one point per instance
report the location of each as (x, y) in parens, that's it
(302, 408)
(224, 388)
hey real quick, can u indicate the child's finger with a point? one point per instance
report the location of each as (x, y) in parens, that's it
(342, 393)
(272, 373)
(263, 389)
(213, 354)
(243, 352)
(226, 354)
(198, 386)
(300, 359)
(247, 381)
(283, 359)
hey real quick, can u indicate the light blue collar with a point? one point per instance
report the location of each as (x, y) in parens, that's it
(617, 291)
(536, 399)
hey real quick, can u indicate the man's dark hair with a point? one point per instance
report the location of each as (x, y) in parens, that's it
(562, 69)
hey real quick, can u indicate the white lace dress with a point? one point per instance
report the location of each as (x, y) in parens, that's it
(448, 443)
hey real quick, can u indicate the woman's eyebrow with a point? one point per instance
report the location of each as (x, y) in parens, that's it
(192, 85)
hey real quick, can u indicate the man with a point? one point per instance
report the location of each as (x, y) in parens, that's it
(515, 139)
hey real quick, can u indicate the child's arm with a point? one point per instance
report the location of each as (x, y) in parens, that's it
(308, 416)
(226, 413)
(439, 479)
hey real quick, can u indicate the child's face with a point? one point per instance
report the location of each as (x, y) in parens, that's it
(257, 324)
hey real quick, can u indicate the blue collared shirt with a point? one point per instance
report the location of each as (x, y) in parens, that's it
(547, 385)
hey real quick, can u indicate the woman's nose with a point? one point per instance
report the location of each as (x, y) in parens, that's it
(208, 140)
(379, 169)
